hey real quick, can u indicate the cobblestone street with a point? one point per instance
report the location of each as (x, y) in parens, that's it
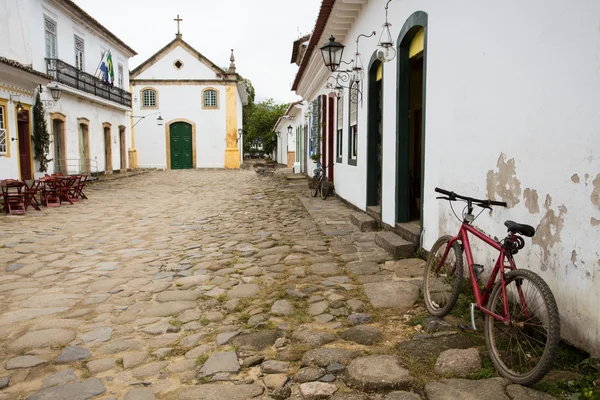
(202, 284)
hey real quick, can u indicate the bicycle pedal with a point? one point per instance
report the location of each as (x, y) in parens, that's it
(473, 326)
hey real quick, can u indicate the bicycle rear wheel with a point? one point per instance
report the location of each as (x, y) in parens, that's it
(441, 289)
(316, 186)
(524, 350)
(325, 188)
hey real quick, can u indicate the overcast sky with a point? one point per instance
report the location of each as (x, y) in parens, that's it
(261, 32)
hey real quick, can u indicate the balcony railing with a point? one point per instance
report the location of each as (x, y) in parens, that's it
(71, 76)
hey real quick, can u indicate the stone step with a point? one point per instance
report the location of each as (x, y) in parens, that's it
(374, 212)
(409, 231)
(395, 245)
(364, 222)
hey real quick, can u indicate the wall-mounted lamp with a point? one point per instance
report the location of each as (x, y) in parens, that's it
(240, 134)
(332, 54)
(55, 92)
(159, 120)
(290, 129)
(17, 97)
(278, 134)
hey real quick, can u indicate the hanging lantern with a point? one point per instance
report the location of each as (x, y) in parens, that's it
(386, 51)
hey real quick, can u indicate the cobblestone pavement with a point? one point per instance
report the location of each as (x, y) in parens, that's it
(216, 285)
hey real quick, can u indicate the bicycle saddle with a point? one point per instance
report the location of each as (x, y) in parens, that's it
(514, 227)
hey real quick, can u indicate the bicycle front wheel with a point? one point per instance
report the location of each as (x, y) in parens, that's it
(325, 188)
(523, 351)
(316, 185)
(442, 287)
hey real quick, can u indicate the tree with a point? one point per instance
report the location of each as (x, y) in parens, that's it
(260, 122)
(41, 137)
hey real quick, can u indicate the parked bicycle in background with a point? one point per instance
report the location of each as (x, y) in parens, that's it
(319, 182)
(522, 324)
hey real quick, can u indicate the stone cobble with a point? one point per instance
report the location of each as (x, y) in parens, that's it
(203, 284)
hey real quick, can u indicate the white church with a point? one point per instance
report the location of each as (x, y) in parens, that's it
(187, 111)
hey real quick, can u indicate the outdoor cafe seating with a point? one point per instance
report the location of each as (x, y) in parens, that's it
(51, 191)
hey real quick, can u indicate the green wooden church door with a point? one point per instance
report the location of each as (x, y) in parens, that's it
(181, 145)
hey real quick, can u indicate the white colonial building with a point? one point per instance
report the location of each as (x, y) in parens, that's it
(493, 99)
(199, 105)
(286, 130)
(56, 44)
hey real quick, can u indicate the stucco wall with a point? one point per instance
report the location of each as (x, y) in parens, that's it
(176, 102)
(191, 69)
(511, 114)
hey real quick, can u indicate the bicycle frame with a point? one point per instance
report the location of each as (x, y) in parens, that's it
(482, 298)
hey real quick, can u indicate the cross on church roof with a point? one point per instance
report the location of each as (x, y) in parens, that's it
(178, 21)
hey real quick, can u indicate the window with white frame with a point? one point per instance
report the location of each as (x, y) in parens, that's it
(353, 131)
(340, 129)
(120, 76)
(79, 53)
(50, 28)
(210, 98)
(149, 98)
(3, 144)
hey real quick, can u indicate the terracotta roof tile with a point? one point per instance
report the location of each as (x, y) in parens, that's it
(23, 67)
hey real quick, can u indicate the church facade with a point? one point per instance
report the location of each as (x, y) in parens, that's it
(187, 111)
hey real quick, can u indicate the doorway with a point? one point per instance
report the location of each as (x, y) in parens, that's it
(410, 151)
(24, 145)
(375, 136)
(107, 148)
(123, 148)
(330, 136)
(181, 145)
(84, 149)
(58, 137)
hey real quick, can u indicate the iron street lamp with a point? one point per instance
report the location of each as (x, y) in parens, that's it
(56, 92)
(332, 54)
(159, 120)
(290, 129)
(240, 133)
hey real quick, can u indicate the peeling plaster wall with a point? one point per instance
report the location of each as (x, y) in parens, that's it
(503, 119)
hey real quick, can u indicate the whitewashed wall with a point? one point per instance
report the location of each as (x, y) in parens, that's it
(94, 42)
(496, 97)
(75, 107)
(175, 102)
(164, 69)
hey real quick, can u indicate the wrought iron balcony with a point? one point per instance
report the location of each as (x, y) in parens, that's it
(68, 75)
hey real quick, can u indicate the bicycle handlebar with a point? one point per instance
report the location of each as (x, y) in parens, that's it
(486, 203)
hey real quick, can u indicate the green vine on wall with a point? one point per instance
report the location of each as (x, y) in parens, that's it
(41, 137)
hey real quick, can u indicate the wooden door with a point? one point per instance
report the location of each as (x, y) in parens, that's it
(181, 145)
(24, 145)
(330, 136)
(123, 148)
(107, 150)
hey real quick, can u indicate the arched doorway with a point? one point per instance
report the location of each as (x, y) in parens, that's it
(123, 148)
(107, 148)
(181, 144)
(375, 134)
(410, 154)
(84, 145)
(60, 142)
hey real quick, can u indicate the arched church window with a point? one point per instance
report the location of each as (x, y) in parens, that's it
(149, 98)
(210, 98)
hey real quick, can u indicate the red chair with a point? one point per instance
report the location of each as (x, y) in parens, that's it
(50, 192)
(78, 187)
(14, 197)
(30, 192)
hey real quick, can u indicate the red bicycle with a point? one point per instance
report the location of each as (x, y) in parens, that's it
(522, 324)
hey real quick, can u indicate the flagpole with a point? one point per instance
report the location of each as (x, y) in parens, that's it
(101, 58)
